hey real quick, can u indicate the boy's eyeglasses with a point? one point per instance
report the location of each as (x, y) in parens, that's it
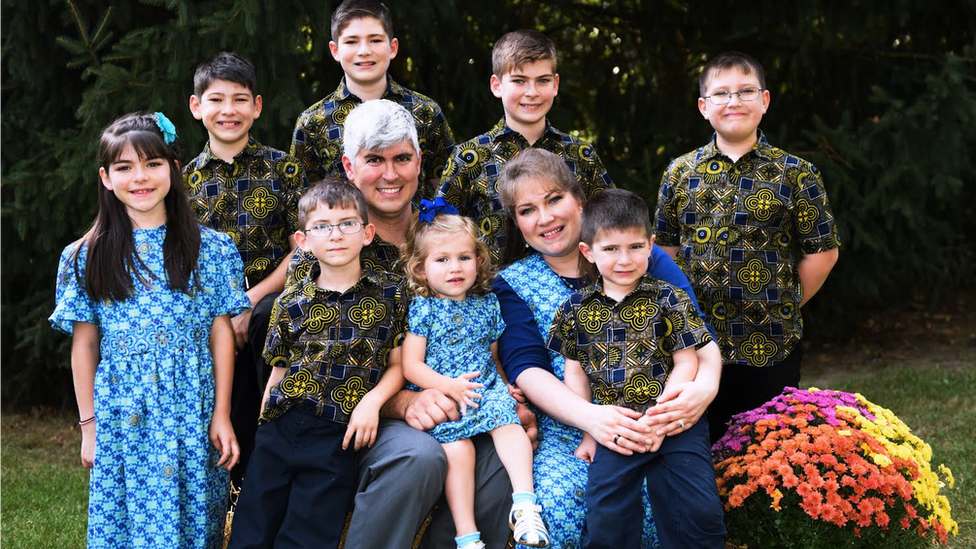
(323, 230)
(723, 97)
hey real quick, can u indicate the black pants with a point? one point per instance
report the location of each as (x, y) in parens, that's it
(746, 387)
(250, 375)
(299, 485)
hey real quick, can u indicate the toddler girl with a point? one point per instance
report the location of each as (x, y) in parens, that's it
(451, 346)
(147, 296)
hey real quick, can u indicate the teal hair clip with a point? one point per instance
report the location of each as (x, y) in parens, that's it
(165, 126)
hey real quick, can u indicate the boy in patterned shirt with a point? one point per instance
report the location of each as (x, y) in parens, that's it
(249, 191)
(363, 44)
(632, 340)
(751, 227)
(334, 345)
(524, 77)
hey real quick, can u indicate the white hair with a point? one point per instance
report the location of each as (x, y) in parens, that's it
(377, 125)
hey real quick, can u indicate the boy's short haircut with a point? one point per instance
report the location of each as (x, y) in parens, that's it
(357, 9)
(730, 60)
(334, 193)
(519, 48)
(224, 66)
(614, 210)
(377, 125)
(536, 165)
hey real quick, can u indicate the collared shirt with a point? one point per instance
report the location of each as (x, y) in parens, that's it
(739, 225)
(471, 174)
(335, 345)
(317, 140)
(254, 200)
(379, 255)
(625, 347)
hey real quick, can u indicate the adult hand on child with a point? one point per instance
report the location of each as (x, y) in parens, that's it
(462, 390)
(240, 324)
(225, 441)
(430, 408)
(679, 407)
(88, 445)
(530, 423)
(617, 428)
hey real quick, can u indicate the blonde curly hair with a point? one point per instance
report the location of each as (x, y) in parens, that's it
(414, 252)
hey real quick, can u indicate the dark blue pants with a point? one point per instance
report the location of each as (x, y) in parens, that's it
(299, 485)
(680, 484)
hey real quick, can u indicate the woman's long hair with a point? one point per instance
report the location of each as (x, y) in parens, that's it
(112, 261)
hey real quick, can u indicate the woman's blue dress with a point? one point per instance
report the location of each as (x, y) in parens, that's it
(155, 483)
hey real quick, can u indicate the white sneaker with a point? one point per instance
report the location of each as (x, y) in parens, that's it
(526, 521)
(474, 545)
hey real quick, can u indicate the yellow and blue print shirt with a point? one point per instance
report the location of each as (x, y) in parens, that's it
(471, 176)
(254, 200)
(625, 347)
(742, 227)
(335, 345)
(317, 139)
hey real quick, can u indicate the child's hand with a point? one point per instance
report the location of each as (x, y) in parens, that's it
(363, 424)
(516, 393)
(461, 390)
(88, 445)
(225, 441)
(656, 437)
(586, 449)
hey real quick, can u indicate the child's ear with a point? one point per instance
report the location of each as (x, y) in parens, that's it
(555, 84)
(195, 109)
(703, 107)
(103, 175)
(765, 100)
(394, 47)
(301, 240)
(650, 241)
(334, 50)
(369, 231)
(495, 84)
(258, 104)
(587, 252)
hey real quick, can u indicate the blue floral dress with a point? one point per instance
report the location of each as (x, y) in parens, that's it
(560, 478)
(155, 483)
(458, 337)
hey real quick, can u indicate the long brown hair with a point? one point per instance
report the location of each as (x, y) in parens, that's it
(112, 261)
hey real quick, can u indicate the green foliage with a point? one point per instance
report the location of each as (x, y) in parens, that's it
(879, 95)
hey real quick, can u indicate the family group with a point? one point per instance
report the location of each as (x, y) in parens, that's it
(387, 339)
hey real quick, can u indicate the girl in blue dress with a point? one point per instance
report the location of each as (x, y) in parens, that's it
(455, 322)
(147, 296)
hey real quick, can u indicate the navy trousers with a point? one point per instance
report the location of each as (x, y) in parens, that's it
(680, 484)
(298, 487)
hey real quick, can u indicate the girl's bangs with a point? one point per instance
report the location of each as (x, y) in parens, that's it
(144, 143)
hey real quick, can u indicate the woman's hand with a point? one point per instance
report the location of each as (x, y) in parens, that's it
(461, 390)
(225, 441)
(680, 406)
(530, 424)
(88, 445)
(617, 428)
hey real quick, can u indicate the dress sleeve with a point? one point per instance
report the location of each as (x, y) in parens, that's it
(419, 317)
(662, 267)
(72, 303)
(520, 346)
(496, 323)
(229, 297)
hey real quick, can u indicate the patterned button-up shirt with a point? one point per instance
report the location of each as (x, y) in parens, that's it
(254, 200)
(335, 345)
(380, 255)
(625, 347)
(317, 141)
(472, 173)
(739, 226)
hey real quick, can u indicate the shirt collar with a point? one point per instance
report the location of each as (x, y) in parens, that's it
(502, 129)
(761, 148)
(253, 148)
(647, 283)
(393, 90)
(368, 277)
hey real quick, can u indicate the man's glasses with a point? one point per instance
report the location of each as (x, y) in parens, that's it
(723, 97)
(324, 229)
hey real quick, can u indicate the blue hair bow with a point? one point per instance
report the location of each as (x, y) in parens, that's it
(166, 127)
(429, 210)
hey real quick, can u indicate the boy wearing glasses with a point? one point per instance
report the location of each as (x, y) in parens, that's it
(334, 345)
(752, 229)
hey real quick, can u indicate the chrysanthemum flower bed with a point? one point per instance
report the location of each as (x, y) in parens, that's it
(819, 468)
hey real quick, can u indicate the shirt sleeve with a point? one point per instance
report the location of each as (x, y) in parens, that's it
(813, 220)
(304, 150)
(520, 346)
(662, 267)
(401, 308)
(595, 175)
(688, 328)
(294, 182)
(454, 181)
(440, 145)
(563, 332)
(277, 347)
(229, 296)
(666, 214)
(419, 318)
(72, 303)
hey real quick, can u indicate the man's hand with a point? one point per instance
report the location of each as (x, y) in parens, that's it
(240, 324)
(429, 409)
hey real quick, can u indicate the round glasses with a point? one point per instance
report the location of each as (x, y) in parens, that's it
(723, 97)
(323, 230)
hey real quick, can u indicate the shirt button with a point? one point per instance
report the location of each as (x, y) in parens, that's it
(168, 471)
(154, 378)
(134, 419)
